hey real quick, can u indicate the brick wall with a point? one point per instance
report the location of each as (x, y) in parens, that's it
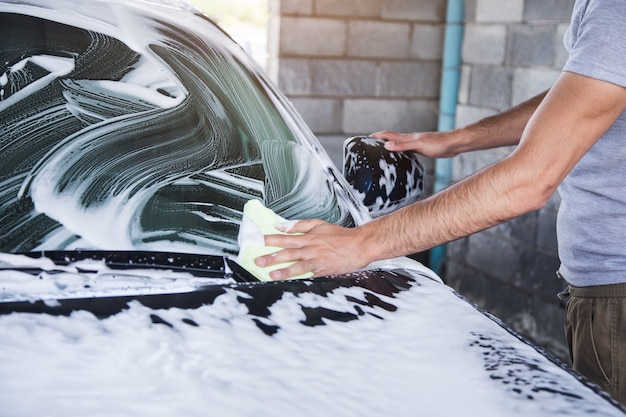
(357, 66)
(353, 67)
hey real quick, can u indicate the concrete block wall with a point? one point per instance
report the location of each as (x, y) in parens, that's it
(353, 67)
(513, 50)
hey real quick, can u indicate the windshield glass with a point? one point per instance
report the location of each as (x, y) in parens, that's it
(146, 128)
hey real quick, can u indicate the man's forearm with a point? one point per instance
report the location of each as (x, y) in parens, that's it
(453, 213)
(481, 201)
(571, 119)
(503, 129)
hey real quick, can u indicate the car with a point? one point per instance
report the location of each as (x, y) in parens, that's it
(133, 134)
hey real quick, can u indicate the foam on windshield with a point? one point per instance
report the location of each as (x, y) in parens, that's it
(144, 128)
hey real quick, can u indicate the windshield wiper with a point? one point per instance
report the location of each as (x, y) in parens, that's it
(156, 279)
(211, 266)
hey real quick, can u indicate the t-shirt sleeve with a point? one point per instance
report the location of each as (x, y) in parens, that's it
(598, 42)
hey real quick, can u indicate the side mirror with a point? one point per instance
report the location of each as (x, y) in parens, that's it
(385, 180)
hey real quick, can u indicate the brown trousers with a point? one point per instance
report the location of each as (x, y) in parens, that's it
(595, 326)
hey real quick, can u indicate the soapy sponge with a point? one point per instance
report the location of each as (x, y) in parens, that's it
(257, 222)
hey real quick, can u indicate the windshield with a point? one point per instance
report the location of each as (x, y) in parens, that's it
(144, 129)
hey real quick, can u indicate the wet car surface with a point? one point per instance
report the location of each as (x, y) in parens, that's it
(132, 136)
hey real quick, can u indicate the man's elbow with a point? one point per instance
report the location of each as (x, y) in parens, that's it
(537, 194)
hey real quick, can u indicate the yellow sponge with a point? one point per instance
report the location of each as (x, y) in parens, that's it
(257, 222)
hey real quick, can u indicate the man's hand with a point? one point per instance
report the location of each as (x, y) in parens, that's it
(316, 246)
(504, 129)
(430, 144)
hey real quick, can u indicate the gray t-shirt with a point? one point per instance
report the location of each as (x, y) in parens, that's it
(591, 225)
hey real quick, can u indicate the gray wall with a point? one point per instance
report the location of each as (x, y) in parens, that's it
(353, 67)
(357, 66)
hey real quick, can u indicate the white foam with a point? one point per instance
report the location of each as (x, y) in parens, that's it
(418, 359)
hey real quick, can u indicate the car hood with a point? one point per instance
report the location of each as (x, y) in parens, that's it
(377, 342)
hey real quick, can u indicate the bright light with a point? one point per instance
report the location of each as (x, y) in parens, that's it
(245, 20)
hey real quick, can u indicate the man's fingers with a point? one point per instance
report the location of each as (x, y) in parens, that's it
(285, 241)
(296, 239)
(300, 226)
(395, 141)
(296, 269)
(282, 256)
(387, 135)
(285, 256)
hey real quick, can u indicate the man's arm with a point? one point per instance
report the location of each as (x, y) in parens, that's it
(567, 123)
(503, 129)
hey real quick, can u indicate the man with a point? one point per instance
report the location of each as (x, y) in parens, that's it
(572, 137)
